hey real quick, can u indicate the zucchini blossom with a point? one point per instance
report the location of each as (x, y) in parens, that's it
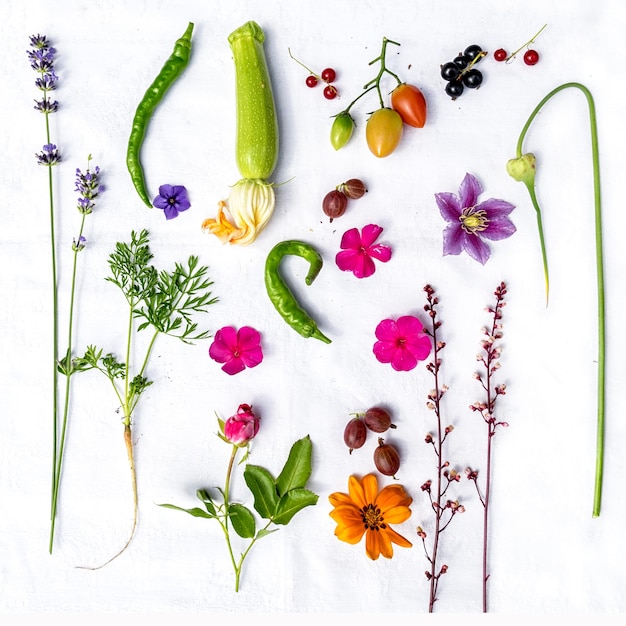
(249, 206)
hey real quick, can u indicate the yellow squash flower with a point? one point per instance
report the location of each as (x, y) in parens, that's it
(366, 511)
(250, 205)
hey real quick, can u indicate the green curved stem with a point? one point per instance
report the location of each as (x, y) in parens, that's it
(599, 469)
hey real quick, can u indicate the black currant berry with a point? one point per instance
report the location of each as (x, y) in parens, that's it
(454, 89)
(472, 79)
(449, 71)
(473, 51)
(462, 61)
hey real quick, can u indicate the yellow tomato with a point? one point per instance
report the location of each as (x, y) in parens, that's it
(383, 132)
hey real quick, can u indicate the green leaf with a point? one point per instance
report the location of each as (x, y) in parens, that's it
(266, 531)
(297, 469)
(196, 512)
(204, 496)
(293, 502)
(243, 520)
(261, 484)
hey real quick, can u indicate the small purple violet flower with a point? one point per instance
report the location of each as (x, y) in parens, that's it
(469, 222)
(172, 199)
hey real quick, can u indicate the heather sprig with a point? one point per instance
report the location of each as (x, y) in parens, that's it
(88, 187)
(444, 508)
(163, 302)
(41, 56)
(490, 364)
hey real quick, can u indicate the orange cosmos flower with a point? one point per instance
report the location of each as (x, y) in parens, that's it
(365, 510)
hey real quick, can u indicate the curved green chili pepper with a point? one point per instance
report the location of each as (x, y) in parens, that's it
(172, 69)
(281, 296)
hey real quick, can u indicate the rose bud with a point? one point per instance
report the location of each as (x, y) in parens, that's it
(386, 458)
(241, 428)
(355, 433)
(378, 420)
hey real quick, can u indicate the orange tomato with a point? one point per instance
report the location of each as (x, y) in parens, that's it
(410, 103)
(383, 132)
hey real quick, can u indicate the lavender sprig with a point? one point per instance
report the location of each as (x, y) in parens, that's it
(41, 56)
(88, 187)
(489, 359)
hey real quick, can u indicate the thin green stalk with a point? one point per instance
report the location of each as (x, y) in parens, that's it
(601, 315)
(66, 405)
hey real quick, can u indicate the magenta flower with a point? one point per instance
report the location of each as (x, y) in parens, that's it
(358, 251)
(237, 349)
(402, 343)
(172, 199)
(241, 428)
(470, 222)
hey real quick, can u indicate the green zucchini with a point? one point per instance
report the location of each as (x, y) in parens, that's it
(257, 122)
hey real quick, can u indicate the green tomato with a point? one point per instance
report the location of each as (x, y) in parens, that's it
(341, 130)
(383, 132)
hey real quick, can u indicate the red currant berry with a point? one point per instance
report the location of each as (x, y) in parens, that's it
(330, 92)
(329, 75)
(531, 57)
(311, 80)
(500, 54)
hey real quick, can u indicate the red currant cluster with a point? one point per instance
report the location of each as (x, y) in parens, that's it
(335, 202)
(378, 420)
(531, 56)
(328, 76)
(461, 73)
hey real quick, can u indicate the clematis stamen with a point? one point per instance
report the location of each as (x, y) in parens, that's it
(474, 220)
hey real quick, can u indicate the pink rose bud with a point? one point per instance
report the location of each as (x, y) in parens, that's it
(242, 427)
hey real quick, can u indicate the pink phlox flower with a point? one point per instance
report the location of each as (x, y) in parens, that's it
(358, 251)
(469, 222)
(241, 428)
(402, 343)
(237, 349)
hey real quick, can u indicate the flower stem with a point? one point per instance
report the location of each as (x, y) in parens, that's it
(229, 471)
(66, 404)
(597, 498)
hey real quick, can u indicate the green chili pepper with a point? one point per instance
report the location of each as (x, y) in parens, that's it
(172, 69)
(281, 296)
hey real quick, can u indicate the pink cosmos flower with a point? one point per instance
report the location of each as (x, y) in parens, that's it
(241, 428)
(237, 349)
(358, 251)
(469, 222)
(402, 343)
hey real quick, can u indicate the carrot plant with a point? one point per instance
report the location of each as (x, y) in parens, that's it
(160, 302)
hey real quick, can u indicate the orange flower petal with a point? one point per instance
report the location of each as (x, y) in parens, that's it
(392, 496)
(370, 488)
(357, 494)
(372, 544)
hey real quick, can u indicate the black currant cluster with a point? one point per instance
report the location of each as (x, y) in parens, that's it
(461, 72)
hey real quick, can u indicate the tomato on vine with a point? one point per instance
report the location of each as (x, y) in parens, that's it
(410, 103)
(383, 132)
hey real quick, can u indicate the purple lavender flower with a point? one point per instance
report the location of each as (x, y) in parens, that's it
(172, 199)
(89, 187)
(79, 245)
(49, 155)
(469, 221)
(41, 59)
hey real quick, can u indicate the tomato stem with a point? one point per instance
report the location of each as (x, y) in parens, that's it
(308, 69)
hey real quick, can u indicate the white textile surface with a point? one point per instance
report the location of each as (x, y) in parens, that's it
(546, 551)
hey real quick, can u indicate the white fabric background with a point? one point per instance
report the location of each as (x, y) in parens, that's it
(547, 553)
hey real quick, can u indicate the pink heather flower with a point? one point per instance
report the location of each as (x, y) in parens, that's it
(241, 428)
(237, 349)
(402, 343)
(358, 251)
(469, 222)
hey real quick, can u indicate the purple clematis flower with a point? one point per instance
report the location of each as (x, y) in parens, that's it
(469, 222)
(237, 349)
(172, 199)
